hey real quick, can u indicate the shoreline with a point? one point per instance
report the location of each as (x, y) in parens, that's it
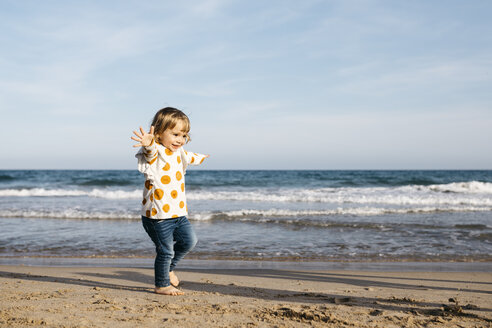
(147, 262)
(34, 296)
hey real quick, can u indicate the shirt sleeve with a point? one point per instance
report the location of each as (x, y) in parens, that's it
(146, 157)
(194, 158)
(150, 152)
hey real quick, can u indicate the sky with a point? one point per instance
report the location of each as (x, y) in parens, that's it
(266, 84)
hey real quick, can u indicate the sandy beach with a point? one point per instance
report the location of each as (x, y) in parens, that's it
(33, 296)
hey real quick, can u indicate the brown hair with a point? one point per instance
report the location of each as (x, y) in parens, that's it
(167, 118)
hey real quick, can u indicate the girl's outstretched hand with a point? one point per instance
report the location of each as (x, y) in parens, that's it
(143, 138)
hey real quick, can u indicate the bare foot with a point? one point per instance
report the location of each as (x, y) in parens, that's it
(174, 279)
(169, 290)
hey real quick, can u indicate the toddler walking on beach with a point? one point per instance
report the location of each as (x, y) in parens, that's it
(163, 161)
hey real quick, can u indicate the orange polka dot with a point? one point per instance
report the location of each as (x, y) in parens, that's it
(166, 167)
(165, 179)
(165, 208)
(144, 201)
(178, 175)
(147, 214)
(182, 187)
(148, 184)
(175, 216)
(151, 197)
(192, 159)
(186, 208)
(158, 193)
(181, 204)
(154, 211)
(174, 194)
(168, 152)
(179, 159)
(202, 160)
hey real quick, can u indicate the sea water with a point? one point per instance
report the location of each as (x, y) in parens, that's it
(275, 215)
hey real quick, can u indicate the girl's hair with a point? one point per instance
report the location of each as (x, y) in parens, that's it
(167, 118)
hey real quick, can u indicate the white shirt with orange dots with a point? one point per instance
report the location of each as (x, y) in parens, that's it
(164, 192)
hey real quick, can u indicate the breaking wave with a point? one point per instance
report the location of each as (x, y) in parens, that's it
(240, 215)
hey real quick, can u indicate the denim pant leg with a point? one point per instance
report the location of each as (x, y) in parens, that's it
(185, 239)
(161, 232)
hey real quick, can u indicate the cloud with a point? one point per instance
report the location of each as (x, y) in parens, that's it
(410, 74)
(207, 8)
(355, 79)
(65, 55)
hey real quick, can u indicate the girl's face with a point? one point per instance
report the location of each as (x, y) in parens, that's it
(174, 138)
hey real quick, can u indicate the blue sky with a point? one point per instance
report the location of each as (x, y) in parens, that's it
(266, 84)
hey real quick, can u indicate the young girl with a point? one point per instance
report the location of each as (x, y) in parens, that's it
(163, 161)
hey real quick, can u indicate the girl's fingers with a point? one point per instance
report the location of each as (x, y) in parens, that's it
(140, 135)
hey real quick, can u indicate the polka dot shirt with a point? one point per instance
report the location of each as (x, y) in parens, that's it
(164, 192)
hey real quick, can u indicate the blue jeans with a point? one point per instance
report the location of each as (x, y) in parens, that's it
(173, 239)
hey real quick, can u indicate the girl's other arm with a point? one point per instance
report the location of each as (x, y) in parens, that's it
(194, 158)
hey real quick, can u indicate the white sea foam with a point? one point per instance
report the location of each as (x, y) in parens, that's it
(98, 193)
(76, 213)
(116, 194)
(471, 187)
(471, 193)
(358, 211)
(390, 196)
(69, 214)
(41, 192)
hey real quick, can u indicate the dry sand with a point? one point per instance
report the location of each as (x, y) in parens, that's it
(123, 297)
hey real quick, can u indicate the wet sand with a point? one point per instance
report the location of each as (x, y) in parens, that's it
(33, 296)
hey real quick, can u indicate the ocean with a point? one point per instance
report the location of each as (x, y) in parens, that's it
(255, 215)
